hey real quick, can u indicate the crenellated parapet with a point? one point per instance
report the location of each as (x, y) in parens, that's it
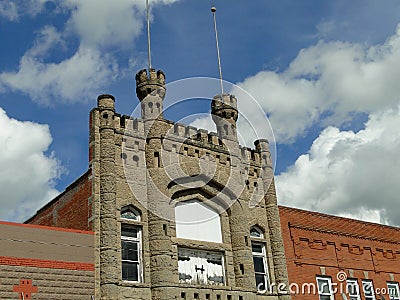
(151, 83)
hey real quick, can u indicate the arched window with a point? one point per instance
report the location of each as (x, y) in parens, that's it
(129, 213)
(131, 245)
(197, 221)
(256, 232)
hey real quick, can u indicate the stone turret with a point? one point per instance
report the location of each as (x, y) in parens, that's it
(150, 89)
(225, 114)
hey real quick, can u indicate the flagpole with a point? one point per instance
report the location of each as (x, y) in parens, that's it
(148, 34)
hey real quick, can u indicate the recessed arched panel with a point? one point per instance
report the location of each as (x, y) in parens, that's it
(256, 232)
(197, 221)
(130, 213)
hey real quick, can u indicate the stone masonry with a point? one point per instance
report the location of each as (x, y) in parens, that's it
(152, 164)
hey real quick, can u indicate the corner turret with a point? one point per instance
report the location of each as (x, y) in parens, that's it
(225, 114)
(150, 89)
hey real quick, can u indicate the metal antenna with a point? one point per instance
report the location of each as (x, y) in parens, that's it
(213, 10)
(148, 34)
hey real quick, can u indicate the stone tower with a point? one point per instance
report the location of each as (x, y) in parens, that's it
(154, 181)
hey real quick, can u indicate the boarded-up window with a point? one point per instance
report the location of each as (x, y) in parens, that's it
(197, 221)
(200, 267)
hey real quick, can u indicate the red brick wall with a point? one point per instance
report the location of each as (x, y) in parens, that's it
(70, 209)
(319, 244)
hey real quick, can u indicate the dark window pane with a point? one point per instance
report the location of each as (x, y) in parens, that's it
(323, 286)
(130, 271)
(257, 248)
(321, 297)
(130, 251)
(260, 282)
(129, 231)
(258, 264)
(367, 287)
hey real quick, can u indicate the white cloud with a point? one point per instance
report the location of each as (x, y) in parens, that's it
(330, 78)
(72, 80)
(98, 24)
(348, 173)
(27, 173)
(14, 10)
(8, 10)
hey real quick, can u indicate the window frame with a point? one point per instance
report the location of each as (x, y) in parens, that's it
(138, 241)
(353, 296)
(396, 286)
(201, 254)
(369, 282)
(263, 256)
(322, 293)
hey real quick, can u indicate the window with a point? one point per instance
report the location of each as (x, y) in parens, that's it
(130, 213)
(325, 291)
(201, 267)
(259, 258)
(197, 221)
(260, 266)
(131, 253)
(393, 290)
(256, 232)
(368, 289)
(353, 289)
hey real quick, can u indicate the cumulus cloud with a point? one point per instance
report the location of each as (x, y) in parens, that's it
(8, 10)
(327, 83)
(99, 25)
(14, 10)
(354, 174)
(27, 172)
(72, 80)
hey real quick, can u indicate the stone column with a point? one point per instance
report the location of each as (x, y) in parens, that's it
(273, 219)
(109, 239)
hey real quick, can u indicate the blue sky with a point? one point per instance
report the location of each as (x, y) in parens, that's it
(325, 72)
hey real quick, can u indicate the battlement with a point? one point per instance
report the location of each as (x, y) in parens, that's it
(189, 135)
(149, 83)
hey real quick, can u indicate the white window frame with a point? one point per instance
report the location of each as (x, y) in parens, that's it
(263, 256)
(366, 283)
(354, 290)
(327, 281)
(393, 286)
(138, 242)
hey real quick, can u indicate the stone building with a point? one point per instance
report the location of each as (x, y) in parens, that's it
(178, 213)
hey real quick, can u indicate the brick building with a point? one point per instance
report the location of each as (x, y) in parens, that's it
(340, 253)
(180, 213)
(38, 262)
